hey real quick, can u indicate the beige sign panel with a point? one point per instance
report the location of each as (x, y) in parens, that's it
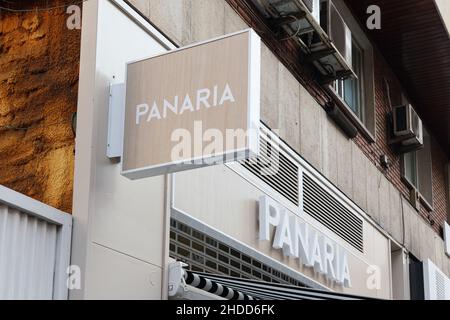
(192, 107)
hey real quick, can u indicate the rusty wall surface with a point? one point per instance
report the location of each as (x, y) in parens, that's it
(39, 65)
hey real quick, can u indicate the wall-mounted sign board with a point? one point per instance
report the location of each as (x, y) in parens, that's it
(192, 107)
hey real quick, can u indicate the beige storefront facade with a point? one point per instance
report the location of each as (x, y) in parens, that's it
(127, 232)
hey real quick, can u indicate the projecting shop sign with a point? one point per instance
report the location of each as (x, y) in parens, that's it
(192, 107)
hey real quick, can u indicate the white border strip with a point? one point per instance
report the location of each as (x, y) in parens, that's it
(33, 207)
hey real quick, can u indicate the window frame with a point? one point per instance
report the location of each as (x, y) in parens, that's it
(367, 123)
(412, 184)
(448, 191)
(340, 84)
(425, 202)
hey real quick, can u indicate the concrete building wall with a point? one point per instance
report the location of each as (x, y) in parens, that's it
(286, 104)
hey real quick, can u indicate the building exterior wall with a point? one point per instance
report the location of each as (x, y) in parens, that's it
(221, 206)
(120, 226)
(353, 166)
(373, 151)
(43, 166)
(39, 59)
(185, 22)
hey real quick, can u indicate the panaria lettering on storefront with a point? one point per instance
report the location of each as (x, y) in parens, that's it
(203, 98)
(298, 240)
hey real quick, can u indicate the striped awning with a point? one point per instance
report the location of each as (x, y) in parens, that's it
(244, 289)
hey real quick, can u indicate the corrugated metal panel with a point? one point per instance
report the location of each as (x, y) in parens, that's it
(27, 255)
(34, 248)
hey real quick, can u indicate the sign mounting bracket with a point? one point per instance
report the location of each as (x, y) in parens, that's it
(116, 117)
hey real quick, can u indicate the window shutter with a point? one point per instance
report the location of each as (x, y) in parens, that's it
(436, 283)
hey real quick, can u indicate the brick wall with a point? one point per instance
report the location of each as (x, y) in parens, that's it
(373, 151)
(39, 61)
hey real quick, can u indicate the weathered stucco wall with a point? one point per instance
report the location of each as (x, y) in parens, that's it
(303, 123)
(39, 60)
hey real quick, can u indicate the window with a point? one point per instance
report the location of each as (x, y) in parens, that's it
(417, 171)
(356, 96)
(410, 168)
(351, 90)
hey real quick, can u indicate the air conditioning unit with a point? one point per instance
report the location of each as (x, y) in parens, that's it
(314, 8)
(408, 126)
(280, 9)
(336, 28)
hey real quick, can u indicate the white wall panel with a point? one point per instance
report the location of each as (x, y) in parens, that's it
(117, 222)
